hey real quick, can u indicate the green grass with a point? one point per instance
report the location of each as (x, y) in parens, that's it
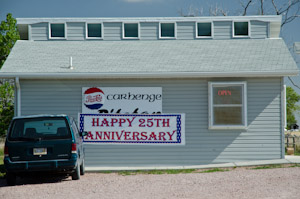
(296, 153)
(273, 166)
(157, 172)
(295, 165)
(168, 171)
(178, 171)
(214, 170)
(106, 172)
(2, 169)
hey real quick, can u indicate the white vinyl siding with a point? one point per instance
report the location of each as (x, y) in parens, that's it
(260, 141)
(76, 31)
(38, 32)
(112, 31)
(152, 30)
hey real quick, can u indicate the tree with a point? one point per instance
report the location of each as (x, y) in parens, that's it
(8, 36)
(291, 107)
(6, 106)
(289, 9)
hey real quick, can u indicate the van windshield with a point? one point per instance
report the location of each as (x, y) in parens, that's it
(42, 128)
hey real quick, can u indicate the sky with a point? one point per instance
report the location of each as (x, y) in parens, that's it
(141, 8)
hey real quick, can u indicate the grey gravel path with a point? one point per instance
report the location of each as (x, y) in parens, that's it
(238, 183)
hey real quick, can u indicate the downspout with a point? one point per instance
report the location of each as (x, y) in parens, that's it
(282, 116)
(18, 96)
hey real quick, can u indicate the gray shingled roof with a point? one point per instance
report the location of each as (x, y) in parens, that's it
(240, 56)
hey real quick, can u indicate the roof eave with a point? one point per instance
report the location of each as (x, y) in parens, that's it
(149, 75)
(266, 18)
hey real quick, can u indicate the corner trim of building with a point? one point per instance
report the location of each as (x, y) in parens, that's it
(18, 96)
(282, 114)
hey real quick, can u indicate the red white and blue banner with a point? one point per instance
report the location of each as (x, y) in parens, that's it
(164, 129)
(125, 100)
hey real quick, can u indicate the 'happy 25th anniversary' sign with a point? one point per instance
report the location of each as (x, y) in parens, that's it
(165, 129)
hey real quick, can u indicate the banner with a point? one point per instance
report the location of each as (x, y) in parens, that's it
(126, 100)
(165, 129)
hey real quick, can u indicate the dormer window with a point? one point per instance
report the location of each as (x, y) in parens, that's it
(204, 30)
(130, 31)
(94, 31)
(57, 31)
(167, 31)
(241, 29)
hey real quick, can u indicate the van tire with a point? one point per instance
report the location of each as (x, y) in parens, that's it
(82, 168)
(76, 173)
(11, 178)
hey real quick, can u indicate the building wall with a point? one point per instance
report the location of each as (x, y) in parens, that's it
(222, 29)
(39, 32)
(261, 140)
(76, 31)
(148, 30)
(259, 29)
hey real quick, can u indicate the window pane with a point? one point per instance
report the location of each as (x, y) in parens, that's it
(204, 29)
(167, 30)
(228, 95)
(94, 30)
(57, 30)
(131, 30)
(45, 128)
(228, 116)
(241, 28)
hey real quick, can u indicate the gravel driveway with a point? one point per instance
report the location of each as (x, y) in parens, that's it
(238, 183)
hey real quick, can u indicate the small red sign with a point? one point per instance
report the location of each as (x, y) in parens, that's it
(224, 92)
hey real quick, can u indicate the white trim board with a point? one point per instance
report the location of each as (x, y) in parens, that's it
(265, 18)
(204, 37)
(96, 75)
(57, 38)
(167, 22)
(123, 30)
(211, 105)
(95, 38)
(241, 36)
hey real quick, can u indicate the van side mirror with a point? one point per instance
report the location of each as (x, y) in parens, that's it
(84, 133)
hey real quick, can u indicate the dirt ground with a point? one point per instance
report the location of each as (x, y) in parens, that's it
(296, 133)
(237, 183)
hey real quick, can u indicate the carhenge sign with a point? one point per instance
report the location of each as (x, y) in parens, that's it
(164, 129)
(128, 100)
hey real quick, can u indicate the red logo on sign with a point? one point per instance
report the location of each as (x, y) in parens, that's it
(93, 98)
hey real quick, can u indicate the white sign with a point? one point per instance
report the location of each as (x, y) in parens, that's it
(165, 129)
(137, 100)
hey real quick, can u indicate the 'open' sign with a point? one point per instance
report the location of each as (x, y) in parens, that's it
(224, 92)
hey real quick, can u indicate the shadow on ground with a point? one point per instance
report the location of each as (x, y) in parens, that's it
(39, 178)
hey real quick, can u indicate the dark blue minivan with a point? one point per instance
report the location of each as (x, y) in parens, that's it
(43, 143)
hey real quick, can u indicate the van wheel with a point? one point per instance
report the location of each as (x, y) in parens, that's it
(82, 168)
(76, 173)
(11, 178)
